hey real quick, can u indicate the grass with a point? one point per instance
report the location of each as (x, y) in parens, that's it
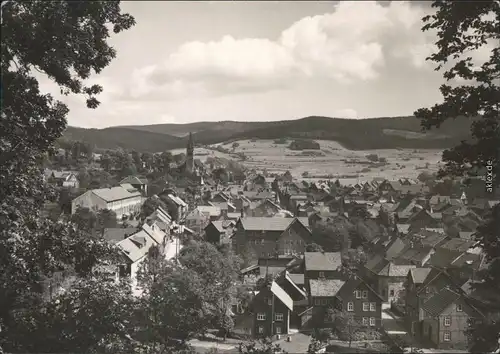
(336, 160)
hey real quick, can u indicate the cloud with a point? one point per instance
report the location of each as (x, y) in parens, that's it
(348, 45)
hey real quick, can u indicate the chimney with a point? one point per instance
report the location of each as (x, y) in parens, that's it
(242, 213)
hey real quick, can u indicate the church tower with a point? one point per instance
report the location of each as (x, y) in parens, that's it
(190, 155)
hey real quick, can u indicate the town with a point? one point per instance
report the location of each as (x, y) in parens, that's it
(381, 263)
(252, 177)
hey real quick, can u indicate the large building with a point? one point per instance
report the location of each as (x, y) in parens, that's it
(123, 200)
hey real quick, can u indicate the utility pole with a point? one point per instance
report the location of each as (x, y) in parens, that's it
(272, 315)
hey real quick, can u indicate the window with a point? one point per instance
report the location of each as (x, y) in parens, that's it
(321, 274)
(366, 306)
(350, 306)
(317, 302)
(391, 292)
(358, 294)
(447, 321)
(261, 330)
(262, 241)
(459, 308)
(373, 306)
(278, 317)
(372, 321)
(365, 294)
(365, 321)
(278, 330)
(447, 336)
(261, 316)
(324, 301)
(269, 301)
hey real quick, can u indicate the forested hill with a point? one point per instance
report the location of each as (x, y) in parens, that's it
(360, 134)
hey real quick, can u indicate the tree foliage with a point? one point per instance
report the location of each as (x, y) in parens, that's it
(66, 41)
(464, 28)
(264, 346)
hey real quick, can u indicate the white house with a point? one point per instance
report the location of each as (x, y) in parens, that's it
(123, 200)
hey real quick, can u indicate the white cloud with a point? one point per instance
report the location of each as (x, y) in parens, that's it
(347, 45)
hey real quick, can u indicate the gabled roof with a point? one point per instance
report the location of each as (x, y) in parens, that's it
(160, 214)
(295, 285)
(418, 275)
(322, 261)
(265, 224)
(114, 193)
(458, 244)
(116, 234)
(325, 287)
(416, 254)
(297, 278)
(394, 248)
(282, 295)
(136, 246)
(469, 260)
(403, 228)
(134, 180)
(395, 270)
(177, 200)
(346, 292)
(155, 232)
(440, 301)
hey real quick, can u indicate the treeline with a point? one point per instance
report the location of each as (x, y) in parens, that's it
(362, 134)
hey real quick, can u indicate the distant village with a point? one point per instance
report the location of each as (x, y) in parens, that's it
(390, 258)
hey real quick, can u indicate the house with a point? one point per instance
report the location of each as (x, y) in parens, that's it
(422, 219)
(134, 249)
(322, 265)
(270, 235)
(180, 206)
(197, 220)
(448, 316)
(388, 278)
(414, 282)
(425, 284)
(324, 291)
(122, 200)
(63, 179)
(276, 264)
(266, 208)
(271, 308)
(218, 232)
(117, 234)
(138, 182)
(358, 298)
(162, 218)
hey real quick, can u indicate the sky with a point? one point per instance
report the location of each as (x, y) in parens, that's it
(193, 61)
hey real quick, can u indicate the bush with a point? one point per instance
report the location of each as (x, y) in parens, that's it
(382, 159)
(280, 141)
(372, 157)
(304, 144)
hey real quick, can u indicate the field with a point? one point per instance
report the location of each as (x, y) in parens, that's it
(335, 160)
(202, 153)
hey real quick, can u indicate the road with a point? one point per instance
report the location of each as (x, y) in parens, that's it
(171, 247)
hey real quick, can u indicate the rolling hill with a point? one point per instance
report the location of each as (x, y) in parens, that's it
(361, 134)
(127, 139)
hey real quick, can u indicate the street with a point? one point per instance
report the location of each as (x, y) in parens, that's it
(171, 247)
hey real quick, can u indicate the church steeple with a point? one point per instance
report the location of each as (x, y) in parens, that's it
(190, 154)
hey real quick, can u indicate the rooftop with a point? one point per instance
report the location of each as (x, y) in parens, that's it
(325, 287)
(322, 261)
